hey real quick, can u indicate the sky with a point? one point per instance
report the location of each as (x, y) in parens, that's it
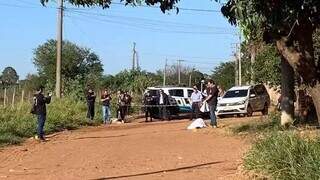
(200, 37)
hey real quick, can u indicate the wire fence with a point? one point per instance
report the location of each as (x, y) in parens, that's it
(14, 97)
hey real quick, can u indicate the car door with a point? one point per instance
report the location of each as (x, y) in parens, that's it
(253, 100)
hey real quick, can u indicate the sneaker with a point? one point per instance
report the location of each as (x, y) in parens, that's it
(214, 127)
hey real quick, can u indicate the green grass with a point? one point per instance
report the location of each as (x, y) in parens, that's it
(272, 123)
(16, 124)
(285, 155)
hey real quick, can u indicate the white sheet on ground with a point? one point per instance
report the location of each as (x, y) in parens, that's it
(196, 124)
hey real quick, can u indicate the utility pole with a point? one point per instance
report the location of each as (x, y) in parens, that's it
(240, 72)
(134, 56)
(137, 59)
(165, 73)
(179, 71)
(59, 48)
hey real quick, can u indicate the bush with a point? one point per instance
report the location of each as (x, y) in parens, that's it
(285, 156)
(17, 124)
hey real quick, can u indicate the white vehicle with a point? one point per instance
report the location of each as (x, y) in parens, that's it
(180, 94)
(244, 100)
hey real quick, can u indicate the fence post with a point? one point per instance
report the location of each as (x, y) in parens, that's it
(22, 96)
(13, 96)
(4, 97)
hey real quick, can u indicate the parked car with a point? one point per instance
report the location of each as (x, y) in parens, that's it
(244, 100)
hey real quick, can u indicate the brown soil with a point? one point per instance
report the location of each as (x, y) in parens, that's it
(147, 151)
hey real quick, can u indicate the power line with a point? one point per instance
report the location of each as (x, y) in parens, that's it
(144, 27)
(149, 21)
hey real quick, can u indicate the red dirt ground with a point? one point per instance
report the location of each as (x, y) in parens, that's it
(147, 151)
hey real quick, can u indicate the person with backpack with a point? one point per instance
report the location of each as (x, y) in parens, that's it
(39, 109)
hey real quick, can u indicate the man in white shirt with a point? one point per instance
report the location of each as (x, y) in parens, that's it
(196, 99)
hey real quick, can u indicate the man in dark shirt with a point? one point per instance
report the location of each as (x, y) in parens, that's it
(212, 100)
(148, 102)
(91, 98)
(106, 111)
(40, 110)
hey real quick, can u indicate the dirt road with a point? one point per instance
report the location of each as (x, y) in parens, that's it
(160, 150)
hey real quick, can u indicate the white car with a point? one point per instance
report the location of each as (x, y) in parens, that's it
(244, 100)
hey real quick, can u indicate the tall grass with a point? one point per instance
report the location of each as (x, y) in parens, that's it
(285, 156)
(271, 123)
(16, 124)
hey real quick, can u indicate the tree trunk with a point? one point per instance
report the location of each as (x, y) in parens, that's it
(301, 57)
(315, 94)
(287, 93)
(253, 59)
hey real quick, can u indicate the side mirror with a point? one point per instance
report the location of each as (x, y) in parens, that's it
(252, 95)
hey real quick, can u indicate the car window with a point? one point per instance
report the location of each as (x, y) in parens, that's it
(190, 92)
(236, 93)
(176, 92)
(153, 92)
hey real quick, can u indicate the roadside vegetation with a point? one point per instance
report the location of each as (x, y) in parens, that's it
(17, 124)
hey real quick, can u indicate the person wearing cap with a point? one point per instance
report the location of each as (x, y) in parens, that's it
(196, 99)
(106, 112)
(91, 99)
(39, 109)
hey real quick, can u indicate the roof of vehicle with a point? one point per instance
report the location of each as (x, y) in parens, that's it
(168, 87)
(239, 88)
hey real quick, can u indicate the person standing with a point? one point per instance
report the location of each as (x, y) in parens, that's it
(148, 102)
(212, 100)
(196, 99)
(91, 99)
(106, 111)
(163, 102)
(127, 99)
(39, 108)
(121, 106)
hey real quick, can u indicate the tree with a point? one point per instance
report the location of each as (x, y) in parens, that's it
(290, 25)
(78, 63)
(32, 82)
(224, 74)
(9, 76)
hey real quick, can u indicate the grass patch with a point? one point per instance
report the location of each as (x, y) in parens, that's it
(285, 155)
(271, 123)
(16, 124)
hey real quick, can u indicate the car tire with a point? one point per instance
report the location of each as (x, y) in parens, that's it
(249, 111)
(265, 110)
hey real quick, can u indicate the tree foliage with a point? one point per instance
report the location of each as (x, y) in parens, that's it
(78, 63)
(224, 75)
(9, 76)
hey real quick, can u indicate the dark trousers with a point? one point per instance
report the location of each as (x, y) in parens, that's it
(149, 113)
(90, 113)
(163, 112)
(41, 120)
(122, 112)
(195, 110)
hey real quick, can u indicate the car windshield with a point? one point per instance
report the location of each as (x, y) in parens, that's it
(236, 93)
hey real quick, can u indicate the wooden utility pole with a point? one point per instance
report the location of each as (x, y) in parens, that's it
(165, 73)
(59, 48)
(179, 71)
(240, 71)
(134, 56)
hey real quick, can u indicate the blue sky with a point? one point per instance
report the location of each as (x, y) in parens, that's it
(202, 39)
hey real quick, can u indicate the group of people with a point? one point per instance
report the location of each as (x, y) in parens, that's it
(123, 101)
(210, 97)
(161, 101)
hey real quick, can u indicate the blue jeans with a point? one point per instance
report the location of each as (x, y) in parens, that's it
(41, 120)
(106, 113)
(213, 118)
